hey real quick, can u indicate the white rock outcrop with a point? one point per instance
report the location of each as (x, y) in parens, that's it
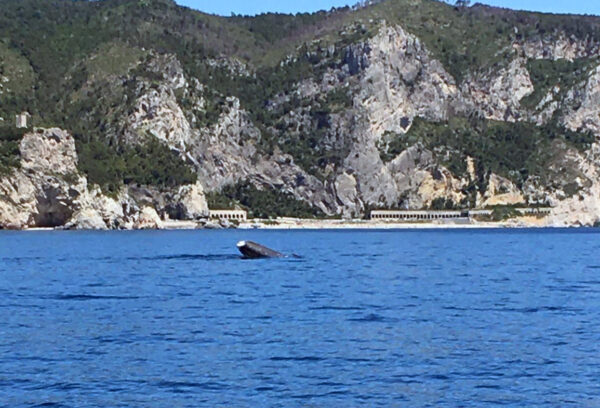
(47, 190)
(402, 81)
(192, 202)
(148, 219)
(346, 190)
(501, 191)
(87, 219)
(497, 94)
(583, 208)
(399, 82)
(583, 105)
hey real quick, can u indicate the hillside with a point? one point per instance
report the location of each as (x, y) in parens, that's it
(400, 104)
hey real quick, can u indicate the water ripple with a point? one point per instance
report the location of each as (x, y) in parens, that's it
(376, 318)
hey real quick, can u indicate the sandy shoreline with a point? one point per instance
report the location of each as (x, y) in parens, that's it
(304, 224)
(361, 225)
(310, 224)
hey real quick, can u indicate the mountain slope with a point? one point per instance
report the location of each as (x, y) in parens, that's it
(401, 104)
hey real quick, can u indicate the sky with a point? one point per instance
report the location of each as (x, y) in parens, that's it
(250, 7)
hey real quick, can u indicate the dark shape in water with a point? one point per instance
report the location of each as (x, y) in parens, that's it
(252, 250)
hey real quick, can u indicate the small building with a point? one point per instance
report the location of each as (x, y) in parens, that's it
(534, 211)
(480, 213)
(426, 215)
(230, 215)
(22, 120)
(539, 211)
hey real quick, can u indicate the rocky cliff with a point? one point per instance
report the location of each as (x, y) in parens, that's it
(47, 190)
(401, 104)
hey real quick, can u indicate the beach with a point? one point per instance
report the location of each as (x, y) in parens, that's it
(316, 224)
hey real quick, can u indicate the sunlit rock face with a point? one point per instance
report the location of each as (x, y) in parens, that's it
(47, 190)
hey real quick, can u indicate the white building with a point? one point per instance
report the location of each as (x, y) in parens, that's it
(535, 211)
(238, 215)
(450, 214)
(22, 120)
(538, 211)
(416, 215)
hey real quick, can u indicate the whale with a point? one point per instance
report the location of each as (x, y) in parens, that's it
(253, 250)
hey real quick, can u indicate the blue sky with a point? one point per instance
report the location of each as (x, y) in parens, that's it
(226, 7)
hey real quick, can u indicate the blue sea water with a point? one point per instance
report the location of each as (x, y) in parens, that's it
(361, 319)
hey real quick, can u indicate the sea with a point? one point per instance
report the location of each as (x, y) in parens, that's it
(405, 318)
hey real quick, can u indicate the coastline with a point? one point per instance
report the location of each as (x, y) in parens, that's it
(359, 224)
(307, 224)
(337, 224)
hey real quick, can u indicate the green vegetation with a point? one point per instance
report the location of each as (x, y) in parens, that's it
(17, 81)
(9, 156)
(77, 64)
(9, 148)
(113, 58)
(255, 91)
(311, 146)
(272, 27)
(217, 200)
(52, 36)
(442, 203)
(571, 189)
(262, 203)
(151, 163)
(511, 150)
(504, 212)
(466, 39)
(338, 100)
(545, 74)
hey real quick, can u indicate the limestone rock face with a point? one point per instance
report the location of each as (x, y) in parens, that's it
(365, 95)
(583, 208)
(226, 154)
(48, 191)
(409, 171)
(346, 190)
(549, 104)
(45, 191)
(583, 102)
(191, 202)
(49, 151)
(223, 153)
(87, 219)
(501, 191)
(157, 114)
(17, 201)
(392, 79)
(498, 94)
(559, 47)
(11, 216)
(148, 219)
(440, 183)
(376, 184)
(401, 82)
